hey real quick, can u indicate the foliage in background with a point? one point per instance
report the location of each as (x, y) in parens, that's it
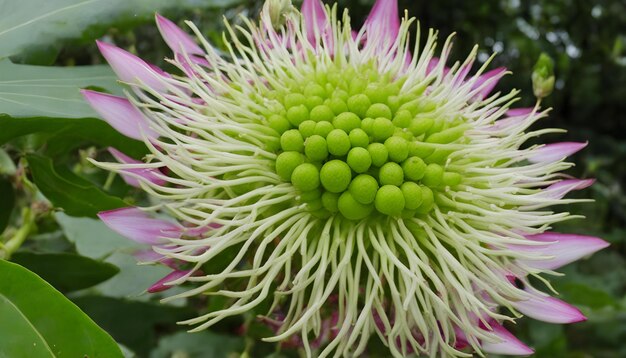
(49, 193)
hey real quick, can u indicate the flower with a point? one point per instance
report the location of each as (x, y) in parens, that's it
(357, 188)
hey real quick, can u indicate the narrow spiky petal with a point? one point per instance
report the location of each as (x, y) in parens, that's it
(130, 68)
(166, 282)
(383, 22)
(315, 19)
(560, 249)
(560, 189)
(548, 309)
(134, 176)
(177, 39)
(505, 343)
(138, 226)
(556, 151)
(488, 81)
(120, 114)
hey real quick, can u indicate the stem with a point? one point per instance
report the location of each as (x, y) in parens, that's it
(14, 243)
(109, 181)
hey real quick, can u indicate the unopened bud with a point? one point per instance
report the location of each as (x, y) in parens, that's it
(278, 11)
(543, 76)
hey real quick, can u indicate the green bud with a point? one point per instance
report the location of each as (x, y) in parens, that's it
(305, 177)
(335, 176)
(543, 76)
(389, 200)
(363, 188)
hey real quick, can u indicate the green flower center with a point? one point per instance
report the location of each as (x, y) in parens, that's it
(352, 143)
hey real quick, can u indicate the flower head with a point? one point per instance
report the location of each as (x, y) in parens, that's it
(357, 187)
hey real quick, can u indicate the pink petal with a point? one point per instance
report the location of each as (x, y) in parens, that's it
(120, 114)
(177, 39)
(548, 309)
(130, 68)
(560, 189)
(162, 284)
(314, 18)
(508, 345)
(383, 22)
(553, 152)
(488, 81)
(514, 112)
(136, 225)
(565, 248)
(146, 174)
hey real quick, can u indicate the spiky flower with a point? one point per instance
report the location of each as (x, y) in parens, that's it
(353, 186)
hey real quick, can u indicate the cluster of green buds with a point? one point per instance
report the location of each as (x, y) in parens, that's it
(351, 143)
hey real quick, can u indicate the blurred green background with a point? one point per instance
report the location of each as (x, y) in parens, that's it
(587, 40)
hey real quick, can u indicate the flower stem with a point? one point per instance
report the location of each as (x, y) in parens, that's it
(14, 243)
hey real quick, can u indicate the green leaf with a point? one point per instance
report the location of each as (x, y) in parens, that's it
(7, 167)
(581, 294)
(201, 344)
(7, 193)
(32, 91)
(66, 272)
(66, 190)
(43, 22)
(134, 324)
(38, 321)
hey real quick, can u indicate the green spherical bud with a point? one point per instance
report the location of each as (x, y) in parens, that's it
(367, 124)
(377, 93)
(379, 153)
(447, 136)
(347, 121)
(322, 113)
(359, 104)
(428, 200)
(363, 188)
(352, 209)
(398, 148)
(341, 94)
(419, 126)
(294, 99)
(337, 105)
(307, 128)
(330, 201)
(307, 196)
(338, 142)
(313, 89)
(286, 162)
(433, 176)
(414, 168)
(452, 179)
(382, 128)
(359, 159)
(292, 140)
(314, 101)
(358, 138)
(315, 148)
(394, 103)
(403, 119)
(335, 176)
(297, 115)
(420, 149)
(323, 128)
(279, 123)
(412, 195)
(305, 177)
(389, 200)
(379, 110)
(357, 85)
(391, 174)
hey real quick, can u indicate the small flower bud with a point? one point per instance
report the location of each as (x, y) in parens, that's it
(277, 11)
(543, 76)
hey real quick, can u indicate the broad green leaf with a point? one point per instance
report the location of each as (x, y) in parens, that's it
(91, 237)
(134, 324)
(581, 294)
(201, 344)
(66, 272)
(67, 133)
(42, 22)
(7, 201)
(38, 321)
(75, 195)
(32, 91)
